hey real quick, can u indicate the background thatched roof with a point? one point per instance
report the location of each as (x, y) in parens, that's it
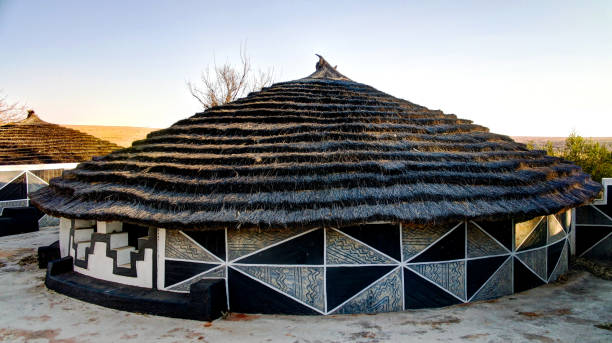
(33, 141)
(322, 150)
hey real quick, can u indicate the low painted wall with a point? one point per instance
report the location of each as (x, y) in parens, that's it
(378, 267)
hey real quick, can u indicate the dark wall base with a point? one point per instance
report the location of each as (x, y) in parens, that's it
(205, 302)
(47, 254)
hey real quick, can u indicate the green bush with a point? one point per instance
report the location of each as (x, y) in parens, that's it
(594, 158)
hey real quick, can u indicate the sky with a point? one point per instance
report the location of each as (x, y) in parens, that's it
(521, 68)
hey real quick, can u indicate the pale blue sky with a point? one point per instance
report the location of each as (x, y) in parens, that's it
(519, 67)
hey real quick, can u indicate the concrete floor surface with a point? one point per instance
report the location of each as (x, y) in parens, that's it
(569, 311)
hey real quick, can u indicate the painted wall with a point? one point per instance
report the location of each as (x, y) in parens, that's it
(594, 226)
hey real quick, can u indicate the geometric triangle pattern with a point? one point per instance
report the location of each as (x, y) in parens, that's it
(383, 296)
(561, 267)
(245, 241)
(501, 231)
(417, 238)
(421, 293)
(377, 236)
(343, 271)
(535, 260)
(524, 278)
(303, 249)
(498, 285)
(448, 275)
(524, 229)
(34, 183)
(179, 246)
(536, 238)
(554, 252)
(184, 286)
(449, 247)
(480, 270)
(302, 283)
(587, 237)
(342, 249)
(17, 189)
(591, 215)
(343, 283)
(601, 250)
(7, 176)
(555, 230)
(565, 219)
(480, 244)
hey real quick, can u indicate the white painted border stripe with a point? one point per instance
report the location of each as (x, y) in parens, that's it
(566, 245)
(195, 276)
(277, 290)
(192, 261)
(28, 167)
(528, 267)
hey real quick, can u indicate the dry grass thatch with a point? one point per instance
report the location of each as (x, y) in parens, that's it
(33, 141)
(322, 150)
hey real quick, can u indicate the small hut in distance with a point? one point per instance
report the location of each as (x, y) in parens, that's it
(32, 152)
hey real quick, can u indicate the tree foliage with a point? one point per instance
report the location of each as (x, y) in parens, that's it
(594, 158)
(223, 84)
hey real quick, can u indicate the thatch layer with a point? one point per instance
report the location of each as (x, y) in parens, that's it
(322, 150)
(33, 141)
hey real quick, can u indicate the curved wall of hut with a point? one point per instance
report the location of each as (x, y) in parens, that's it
(378, 267)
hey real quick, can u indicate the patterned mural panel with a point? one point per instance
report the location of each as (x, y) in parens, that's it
(498, 285)
(524, 229)
(218, 272)
(481, 244)
(342, 249)
(445, 265)
(561, 266)
(449, 275)
(7, 176)
(245, 241)
(415, 238)
(180, 247)
(303, 283)
(34, 183)
(555, 230)
(383, 296)
(535, 260)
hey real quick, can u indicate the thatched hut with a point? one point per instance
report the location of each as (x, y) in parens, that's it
(33, 151)
(315, 196)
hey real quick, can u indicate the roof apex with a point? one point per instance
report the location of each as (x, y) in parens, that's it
(326, 71)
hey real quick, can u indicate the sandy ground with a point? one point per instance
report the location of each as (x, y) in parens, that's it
(570, 311)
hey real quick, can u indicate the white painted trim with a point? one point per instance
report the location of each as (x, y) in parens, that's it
(29, 167)
(279, 291)
(402, 266)
(489, 279)
(604, 225)
(227, 296)
(193, 261)
(434, 242)
(367, 245)
(273, 245)
(200, 246)
(363, 290)
(602, 212)
(34, 175)
(325, 268)
(605, 182)
(290, 265)
(161, 257)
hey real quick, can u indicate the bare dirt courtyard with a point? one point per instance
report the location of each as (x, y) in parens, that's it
(578, 309)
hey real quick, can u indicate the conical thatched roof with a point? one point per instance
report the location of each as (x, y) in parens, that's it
(322, 150)
(33, 141)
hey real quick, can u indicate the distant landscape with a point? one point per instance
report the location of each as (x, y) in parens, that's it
(125, 135)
